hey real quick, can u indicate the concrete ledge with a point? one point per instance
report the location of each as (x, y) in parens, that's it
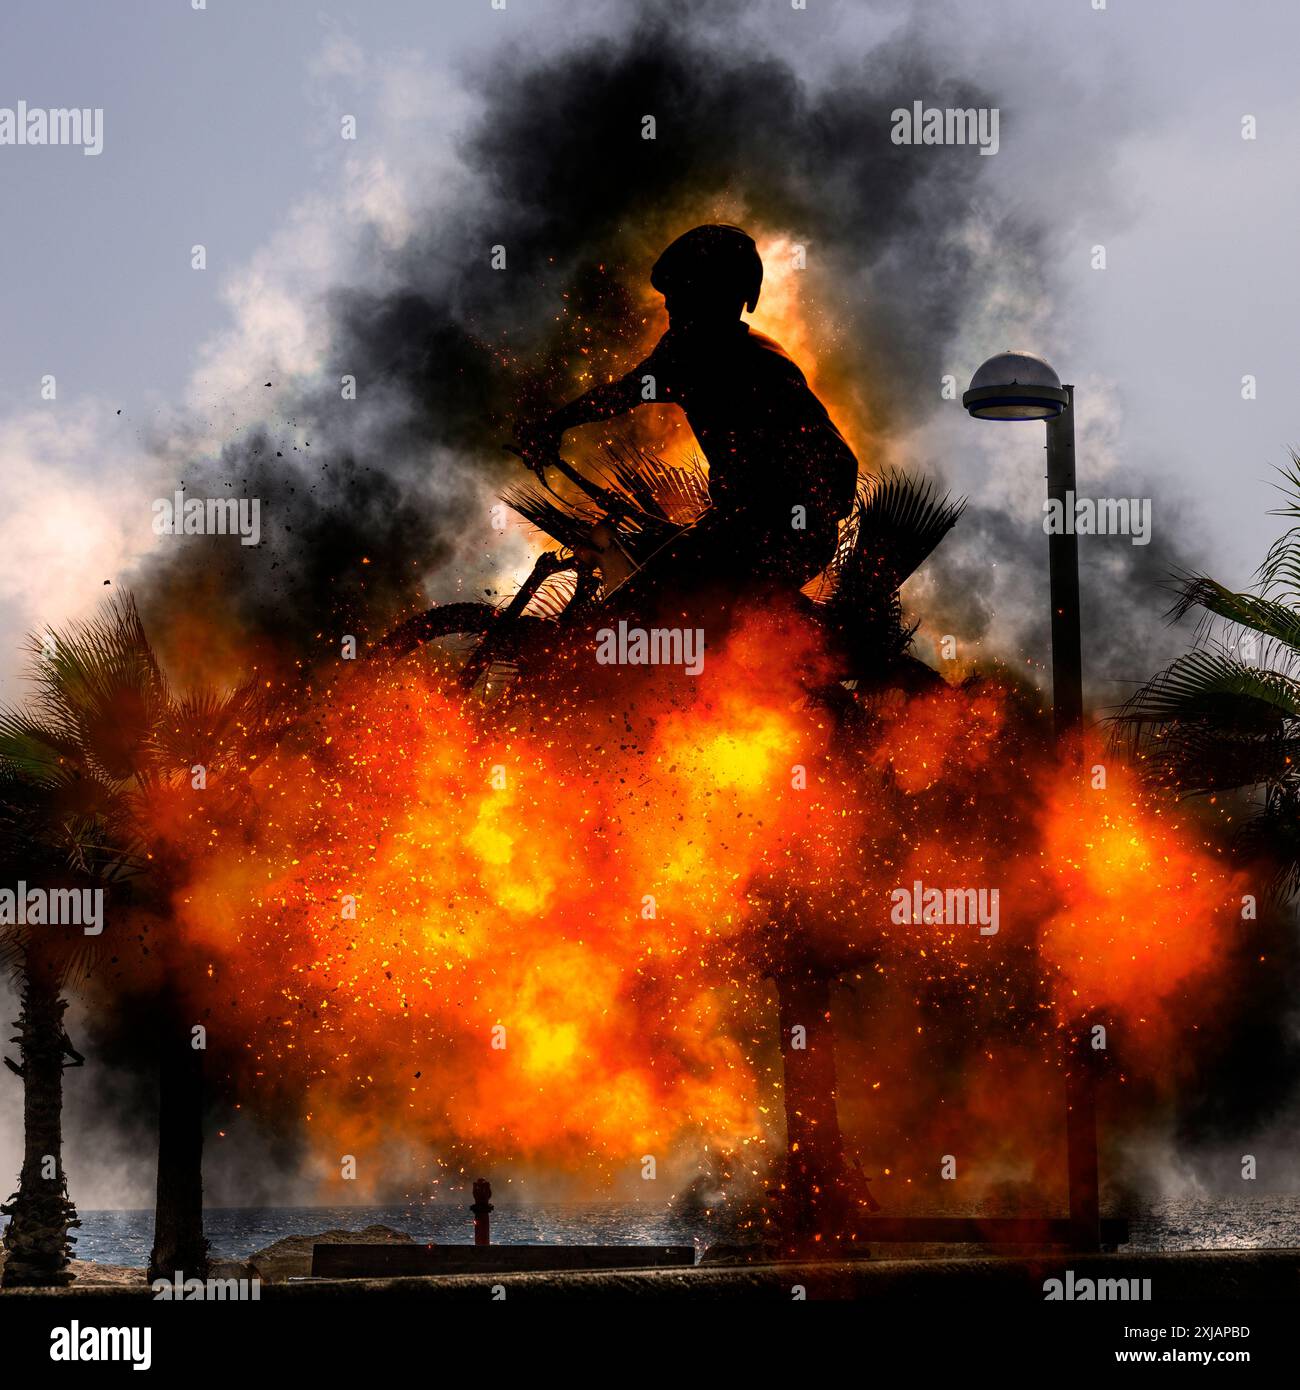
(1247, 1275)
(357, 1261)
(1236, 1275)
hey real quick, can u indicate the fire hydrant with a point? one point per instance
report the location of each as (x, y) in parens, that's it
(482, 1209)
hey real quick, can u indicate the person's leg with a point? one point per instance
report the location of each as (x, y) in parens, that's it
(706, 556)
(719, 562)
(791, 558)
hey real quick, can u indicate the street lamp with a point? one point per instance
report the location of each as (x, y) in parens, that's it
(1022, 386)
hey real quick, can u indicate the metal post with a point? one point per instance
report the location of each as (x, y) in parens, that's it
(1081, 1146)
(482, 1210)
(1063, 571)
(1067, 709)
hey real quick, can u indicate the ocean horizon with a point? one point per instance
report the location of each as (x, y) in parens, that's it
(125, 1236)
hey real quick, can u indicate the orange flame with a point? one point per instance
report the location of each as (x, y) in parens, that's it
(543, 933)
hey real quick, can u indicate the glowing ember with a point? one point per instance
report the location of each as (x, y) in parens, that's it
(544, 932)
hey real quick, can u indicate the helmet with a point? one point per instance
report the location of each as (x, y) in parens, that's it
(709, 261)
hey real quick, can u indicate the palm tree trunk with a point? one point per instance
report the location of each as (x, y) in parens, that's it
(823, 1199)
(178, 1241)
(40, 1214)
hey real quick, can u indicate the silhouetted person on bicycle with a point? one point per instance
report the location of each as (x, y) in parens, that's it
(780, 474)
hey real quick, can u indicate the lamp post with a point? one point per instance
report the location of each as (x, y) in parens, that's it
(1022, 386)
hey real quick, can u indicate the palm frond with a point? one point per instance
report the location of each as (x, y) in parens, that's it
(554, 595)
(1225, 716)
(1279, 575)
(99, 688)
(674, 494)
(1272, 836)
(659, 498)
(207, 726)
(1270, 618)
(1215, 688)
(33, 750)
(1199, 759)
(896, 524)
(567, 523)
(1291, 489)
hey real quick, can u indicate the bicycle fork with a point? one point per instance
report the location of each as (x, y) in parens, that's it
(549, 562)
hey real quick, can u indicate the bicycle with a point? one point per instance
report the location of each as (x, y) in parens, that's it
(607, 530)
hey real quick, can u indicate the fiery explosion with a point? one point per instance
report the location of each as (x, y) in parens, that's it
(541, 934)
(542, 931)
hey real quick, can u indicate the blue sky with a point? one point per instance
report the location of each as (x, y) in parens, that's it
(1120, 127)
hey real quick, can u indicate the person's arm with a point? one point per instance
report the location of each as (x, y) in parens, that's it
(610, 398)
(813, 437)
(615, 397)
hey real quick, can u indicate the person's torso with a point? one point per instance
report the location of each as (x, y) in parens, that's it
(768, 440)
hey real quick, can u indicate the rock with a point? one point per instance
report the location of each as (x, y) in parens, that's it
(85, 1272)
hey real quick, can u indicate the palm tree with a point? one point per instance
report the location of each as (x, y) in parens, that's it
(56, 831)
(896, 524)
(37, 1242)
(104, 724)
(1223, 720)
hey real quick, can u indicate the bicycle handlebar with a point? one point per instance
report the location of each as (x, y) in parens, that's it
(614, 506)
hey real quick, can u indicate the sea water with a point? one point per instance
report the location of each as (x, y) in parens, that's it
(125, 1237)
